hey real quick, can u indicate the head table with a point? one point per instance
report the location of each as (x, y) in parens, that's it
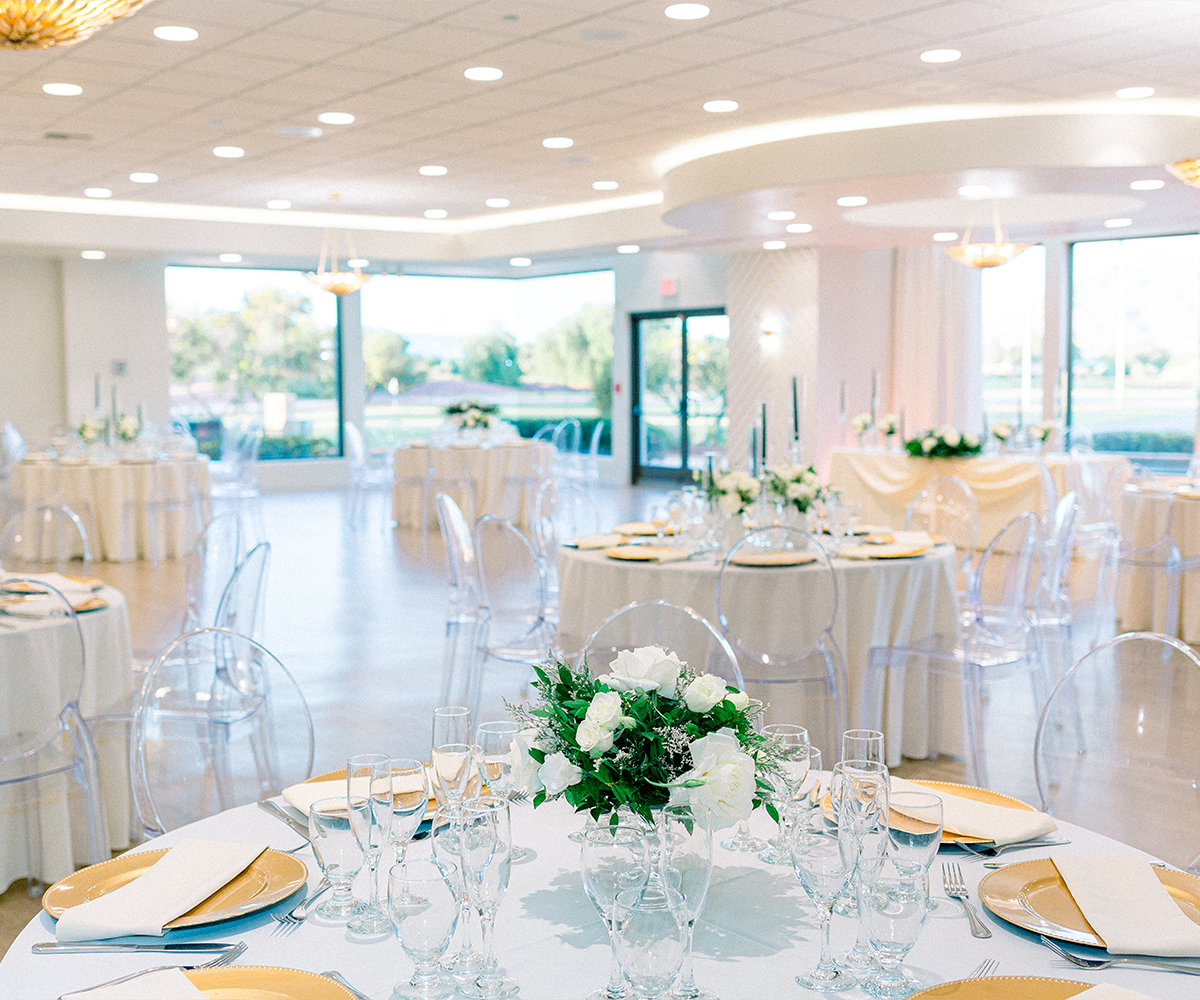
(757, 929)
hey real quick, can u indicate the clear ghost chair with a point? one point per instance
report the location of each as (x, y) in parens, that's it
(167, 506)
(677, 629)
(243, 603)
(528, 468)
(591, 462)
(366, 475)
(789, 639)
(45, 537)
(210, 565)
(565, 440)
(42, 733)
(235, 478)
(1116, 745)
(220, 723)
(1051, 611)
(946, 506)
(464, 604)
(563, 510)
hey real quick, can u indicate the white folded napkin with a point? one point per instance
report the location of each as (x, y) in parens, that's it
(1106, 991)
(302, 796)
(166, 984)
(1128, 906)
(1000, 824)
(184, 877)
(71, 589)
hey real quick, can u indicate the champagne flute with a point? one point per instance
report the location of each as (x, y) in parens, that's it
(424, 911)
(444, 838)
(742, 841)
(455, 773)
(369, 797)
(494, 740)
(864, 811)
(485, 845)
(792, 759)
(451, 724)
(410, 801)
(824, 859)
(613, 859)
(338, 854)
(685, 865)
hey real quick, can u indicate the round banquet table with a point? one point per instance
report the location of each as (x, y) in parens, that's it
(880, 602)
(33, 652)
(756, 931)
(488, 466)
(99, 492)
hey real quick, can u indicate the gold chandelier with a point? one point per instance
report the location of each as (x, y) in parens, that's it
(999, 251)
(332, 278)
(40, 24)
(1187, 171)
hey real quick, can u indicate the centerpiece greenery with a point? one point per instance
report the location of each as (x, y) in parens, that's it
(128, 428)
(470, 413)
(651, 733)
(736, 490)
(91, 430)
(943, 442)
(795, 484)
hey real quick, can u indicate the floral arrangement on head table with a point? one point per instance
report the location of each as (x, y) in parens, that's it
(470, 413)
(943, 442)
(652, 732)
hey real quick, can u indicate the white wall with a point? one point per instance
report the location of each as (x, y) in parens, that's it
(32, 389)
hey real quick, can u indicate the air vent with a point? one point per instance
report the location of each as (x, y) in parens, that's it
(69, 136)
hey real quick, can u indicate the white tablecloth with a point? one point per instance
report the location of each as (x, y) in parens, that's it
(99, 494)
(1141, 597)
(489, 467)
(34, 649)
(880, 602)
(757, 929)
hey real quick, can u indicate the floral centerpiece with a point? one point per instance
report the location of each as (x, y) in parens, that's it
(736, 490)
(1040, 432)
(91, 430)
(651, 733)
(470, 413)
(795, 484)
(128, 428)
(890, 424)
(860, 423)
(943, 442)
(1001, 431)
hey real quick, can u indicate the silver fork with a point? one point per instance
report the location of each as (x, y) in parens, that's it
(956, 888)
(288, 922)
(1103, 963)
(986, 968)
(225, 958)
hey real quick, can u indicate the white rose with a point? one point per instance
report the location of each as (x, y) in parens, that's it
(605, 710)
(558, 774)
(647, 668)
(738, 699)
(928, 445)
(704, 692)
(727, 773)
(952, 438)
(524, 767)
(730, 503)
(970, 440)
(753, 487)
(593, 738)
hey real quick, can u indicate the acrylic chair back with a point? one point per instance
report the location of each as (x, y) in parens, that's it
(1052, 600)
(243, 604)
(210, 567)
(460, 557)
(220, 723)
(1116, 745)
(1007, 579)
(947, 506)
(563, 510)
(677, 629)
(512, 579)
(356, 449)
(45, 537)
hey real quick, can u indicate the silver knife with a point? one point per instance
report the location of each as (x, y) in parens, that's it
(276, 811)
(81, 947)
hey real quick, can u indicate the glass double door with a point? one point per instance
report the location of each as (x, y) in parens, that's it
(680, 360)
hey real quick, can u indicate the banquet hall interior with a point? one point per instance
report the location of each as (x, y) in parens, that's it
(294, 292)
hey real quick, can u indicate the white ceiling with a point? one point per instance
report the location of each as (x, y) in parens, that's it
(621, 79)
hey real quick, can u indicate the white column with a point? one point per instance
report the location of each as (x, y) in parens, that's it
(350, 357)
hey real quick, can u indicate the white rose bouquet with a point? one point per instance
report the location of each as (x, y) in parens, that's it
(860, 423)
(652, 732)
(736, 491)
(470, 414)
(128, 427)
(796, 484)
(91, 430)
(1001, 431)
(1039, 432)
(943, 442)
(890, 424)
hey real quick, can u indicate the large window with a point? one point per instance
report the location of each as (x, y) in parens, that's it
(540, 349)
(252, 347)
(1135, 331)
(1013, 325)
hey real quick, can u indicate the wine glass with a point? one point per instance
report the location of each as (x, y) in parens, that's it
(792, 757)
(742, 841)
(410, 800)
(824, 859)
(338, 854)
(424, 911)
(807, 797)
(893, 908)
(685, 865)
(485, 845)
(862, 744)
(613, 859)
(651, 925)
(494, 740)
(454, 769)
(444, 837)
(915, 833)
(863, 810)
(369, 796)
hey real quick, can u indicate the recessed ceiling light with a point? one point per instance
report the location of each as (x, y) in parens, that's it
(432, 171)
(484, 74)
(852, 201)
(1135, 93)
(63, 89)
(436, 213)
(686, 11)
(230, 258)
(774, 244)
(799, 227)
(279, 204)
(1148, 185)
(357, 262)
(143, 178)
(176, 33)
(228, 152)
(98, 192)
(628, 248)
(93, 255)
(941, 56)
(520, 261)
(335, 118)
(973, 192)
(780, 216)
(1117, 223)
(605, 185)
(303, 131)
(497, 203)
(720, 107)
(944, 237)
(558, 142)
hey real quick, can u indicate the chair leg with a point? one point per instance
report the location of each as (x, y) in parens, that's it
(972, 684)
(88, 773)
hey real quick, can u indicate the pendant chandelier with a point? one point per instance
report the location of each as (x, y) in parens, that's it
(41, 24)
(329, 274)
(993, 254)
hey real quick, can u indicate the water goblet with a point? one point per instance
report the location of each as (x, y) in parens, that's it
(444, 838)
(742, 841)
(495, 742)
(863, 810)
(424, 911)
(454, 770)
(862, 744)
(792, 757)
(651, 925)
(485, 846)
(410, 800)
(685, 865)
(369, 796)
(915, 834)
(613, 860)
(893, 908)
(338, 854)
(823, 858)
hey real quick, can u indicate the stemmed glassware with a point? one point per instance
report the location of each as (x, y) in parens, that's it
(410, 800)
(742, 841)
(915, 834)
(485, 846)
(807, 796)
(451, 724)
(369, 797)
(444, 836)
(613, 859)
(893, 908)
(858, 744)
(424, 911)
(338, 854)
(862, 790)
(651, 925)
(793, 760)
(685, 865)
(494, 740)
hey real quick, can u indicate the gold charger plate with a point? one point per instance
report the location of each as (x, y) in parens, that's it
(1004, 988)
(28, 587)
(640, 528)
(773, 558)
(264, 982)
(639, 553)
(1033, 896)
(430, 807)
(271, 877)
(89, 604)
